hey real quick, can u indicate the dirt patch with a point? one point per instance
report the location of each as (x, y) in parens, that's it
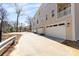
(11, 48)
(6, 36)
(74, 44)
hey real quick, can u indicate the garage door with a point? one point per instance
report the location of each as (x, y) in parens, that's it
(58, 31)
(34, 30)
(40, 31)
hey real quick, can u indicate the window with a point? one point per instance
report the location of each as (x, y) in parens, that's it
(55, 25)
(37, 21)
(50, 25)
(61, 24)
(52, 13)
(46, 17)
(68, 24)
(47, 26)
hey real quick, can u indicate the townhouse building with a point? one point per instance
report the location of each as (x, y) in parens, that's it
(60, 20)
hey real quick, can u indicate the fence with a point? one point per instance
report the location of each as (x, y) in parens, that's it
(4, 45)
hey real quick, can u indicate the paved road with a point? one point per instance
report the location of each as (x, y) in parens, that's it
(35, 45)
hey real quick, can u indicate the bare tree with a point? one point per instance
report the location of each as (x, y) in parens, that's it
(18, 9)
(29, 19)
(3, 14)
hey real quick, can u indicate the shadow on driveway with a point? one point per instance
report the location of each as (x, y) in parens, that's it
(74, 44)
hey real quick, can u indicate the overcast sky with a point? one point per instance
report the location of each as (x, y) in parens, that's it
(29, 9)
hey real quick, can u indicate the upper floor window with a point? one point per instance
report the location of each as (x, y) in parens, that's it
(46, 17)
(52, 13)
(37, 21)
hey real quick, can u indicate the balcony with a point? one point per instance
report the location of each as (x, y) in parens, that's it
(65, 12)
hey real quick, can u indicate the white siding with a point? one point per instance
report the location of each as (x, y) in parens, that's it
(64, 31)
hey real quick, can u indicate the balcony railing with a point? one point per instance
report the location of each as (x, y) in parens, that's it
(67, 11)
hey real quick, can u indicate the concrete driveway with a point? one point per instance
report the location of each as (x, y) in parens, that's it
(31, 44)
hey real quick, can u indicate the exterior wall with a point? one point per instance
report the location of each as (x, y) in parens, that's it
(68, 31)
(69, 27)
(34, 25)
(50, 7)
(76, 22)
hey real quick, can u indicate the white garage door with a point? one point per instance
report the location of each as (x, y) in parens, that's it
(57, 31)
(34, 30)
(41, 31)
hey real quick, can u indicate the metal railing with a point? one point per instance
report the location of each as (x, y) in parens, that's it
(4, 45)
(64, 12)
